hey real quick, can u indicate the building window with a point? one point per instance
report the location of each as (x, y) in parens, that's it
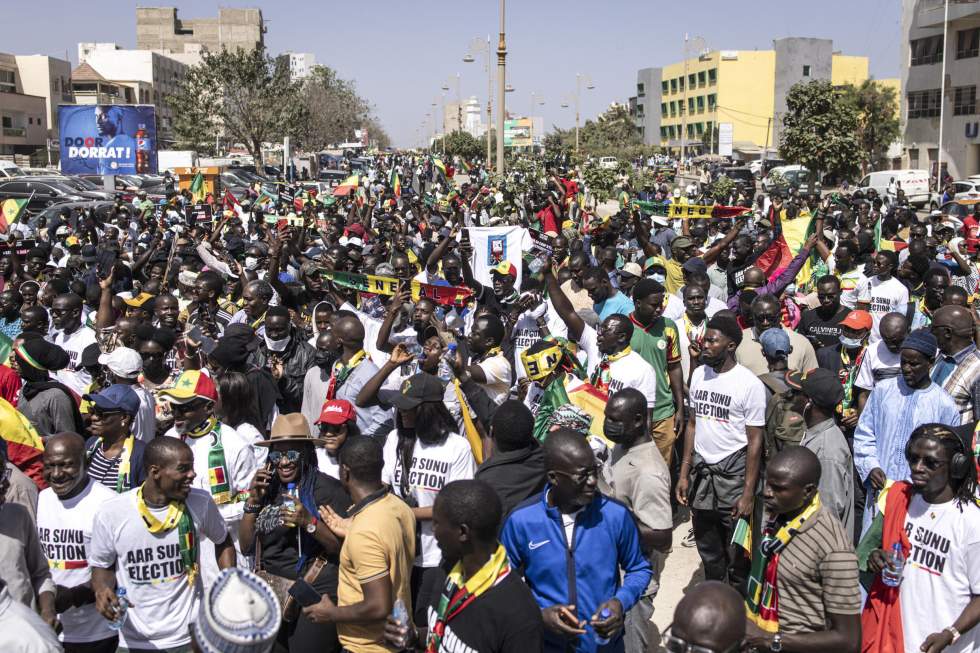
(702, 79)
(680, 83)
(639, 111)
(691, 80)
(663, 133)
(673, 85)
(640, 90)
(700, 104)
(926, 51)
(712, 76)
(8, 81)
(806, 71)
(924, 104)
(968, 43)
(664, 85)
(673, 108)
(712, 101)
(663, 109)
(7, 122)
(965, 101)
(690, 105)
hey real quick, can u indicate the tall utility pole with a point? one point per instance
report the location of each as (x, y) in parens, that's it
(684, 104)
(578, 92)
(942, 101)
(501, 81)
(459, 106)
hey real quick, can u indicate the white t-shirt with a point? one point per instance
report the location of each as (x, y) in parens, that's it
(850, 285)
(526, 332)
(65, 531)
(149, 567)
(630, 371)
(327, 464)
(433, 465)
(723, 405)
(498, 373)
(240, 466)
(74, 376)
(941, 572)
(884, 297)
(879, 363)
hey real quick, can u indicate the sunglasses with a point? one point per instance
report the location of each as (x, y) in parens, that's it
(102, 414)
(932, 464)
(675, 644)
(183, 409)
(291, 456)
(332, 429)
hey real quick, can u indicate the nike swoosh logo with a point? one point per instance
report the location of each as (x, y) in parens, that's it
(535, 545)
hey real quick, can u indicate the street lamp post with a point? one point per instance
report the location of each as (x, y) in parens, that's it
(483, 47)
(501, 82)
(578, 92)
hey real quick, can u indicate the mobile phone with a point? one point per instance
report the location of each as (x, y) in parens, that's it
(304, 593)
(465, 238)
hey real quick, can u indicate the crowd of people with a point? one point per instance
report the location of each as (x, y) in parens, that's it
(468, 413)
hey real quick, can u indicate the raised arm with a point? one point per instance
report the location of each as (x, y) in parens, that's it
(715, 250)
(562, 304)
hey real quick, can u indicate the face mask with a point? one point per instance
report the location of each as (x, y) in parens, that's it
(276, 345)
(850, 343)
(324, 359)
(659, 278)
(251, 263)
(613, 430)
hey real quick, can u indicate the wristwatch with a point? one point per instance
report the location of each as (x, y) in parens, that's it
(952, 631)
(777, 643)
(311, 527)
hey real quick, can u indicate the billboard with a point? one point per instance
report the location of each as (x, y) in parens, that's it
(517, 133)
(108, 139)
(725, 133)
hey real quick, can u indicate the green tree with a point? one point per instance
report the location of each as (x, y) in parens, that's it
(461, 143)
(245, 96)
(878, 124)
(820, 129)
(333, 108)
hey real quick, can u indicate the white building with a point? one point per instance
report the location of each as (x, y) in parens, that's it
(923, 72)
(472, 121)
(151, 75)
(23, 116)
(300, 64)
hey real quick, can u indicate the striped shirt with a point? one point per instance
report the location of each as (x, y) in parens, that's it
(103, 470)
(817, 575)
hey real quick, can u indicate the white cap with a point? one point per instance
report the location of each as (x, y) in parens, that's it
(239, 613)
(123, 362)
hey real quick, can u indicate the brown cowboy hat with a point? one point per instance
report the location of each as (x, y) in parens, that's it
(291, 427)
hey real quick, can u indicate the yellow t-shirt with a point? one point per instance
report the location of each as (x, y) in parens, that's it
(380, 542)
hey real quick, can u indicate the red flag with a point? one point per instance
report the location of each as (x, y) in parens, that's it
(230, 201)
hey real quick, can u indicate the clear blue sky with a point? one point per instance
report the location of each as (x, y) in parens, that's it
(400, 54)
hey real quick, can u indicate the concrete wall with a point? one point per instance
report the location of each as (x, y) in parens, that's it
(23, 117)
(159, 28)
(847, 69)
(650, 100)
(792, 55)
(49, 78)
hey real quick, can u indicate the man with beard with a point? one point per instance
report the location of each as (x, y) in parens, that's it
(72, 336)
(66, 511)
(287, 356)
(499, 614)
(47, 404)
(596, 581)
(223, 462)
(152, 536)
(766, 314)
(894, 409)
(722, 452)
(936, 282)
(113, 454)
(606, 300)
(637, 475)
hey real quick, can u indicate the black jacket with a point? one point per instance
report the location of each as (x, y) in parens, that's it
(298, 357)
(514, 475)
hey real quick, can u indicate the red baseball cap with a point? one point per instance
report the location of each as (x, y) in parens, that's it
(505, 268)
(337, 411)
(858, 320)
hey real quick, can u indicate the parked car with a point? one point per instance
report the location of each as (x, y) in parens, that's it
(966, 189)
(609, 163)
(786, 178)
(41, 194)
(102, 209)
(10, 169)
(741, 175)
(86, 188)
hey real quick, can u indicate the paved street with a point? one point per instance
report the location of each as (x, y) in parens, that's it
(681, 571)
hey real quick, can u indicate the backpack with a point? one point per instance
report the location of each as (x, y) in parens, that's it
(784, 426)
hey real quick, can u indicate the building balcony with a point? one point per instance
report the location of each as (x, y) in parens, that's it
(931, 12)
(15, 132)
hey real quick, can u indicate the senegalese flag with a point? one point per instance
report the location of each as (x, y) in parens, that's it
(396, 183)
(265, 198)
(592, 401)
(12, 210)
(360, 197)
(465, 166)
(742, 536)
(24, 446)
(884, 243)
(197, 188)
(347, 186)
(439, 165)
(624, 199)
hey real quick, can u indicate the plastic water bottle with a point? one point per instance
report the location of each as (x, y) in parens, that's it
(289, 499)
(891, 575)
(599, 639)
(445, 367)
(117, 623)
(400, 614)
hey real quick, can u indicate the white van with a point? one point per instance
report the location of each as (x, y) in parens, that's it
(8, 169)
(915, 183)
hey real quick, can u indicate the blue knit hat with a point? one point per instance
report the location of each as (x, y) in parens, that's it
(921, 340)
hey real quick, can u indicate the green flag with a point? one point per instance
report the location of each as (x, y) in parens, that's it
(197, 187)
